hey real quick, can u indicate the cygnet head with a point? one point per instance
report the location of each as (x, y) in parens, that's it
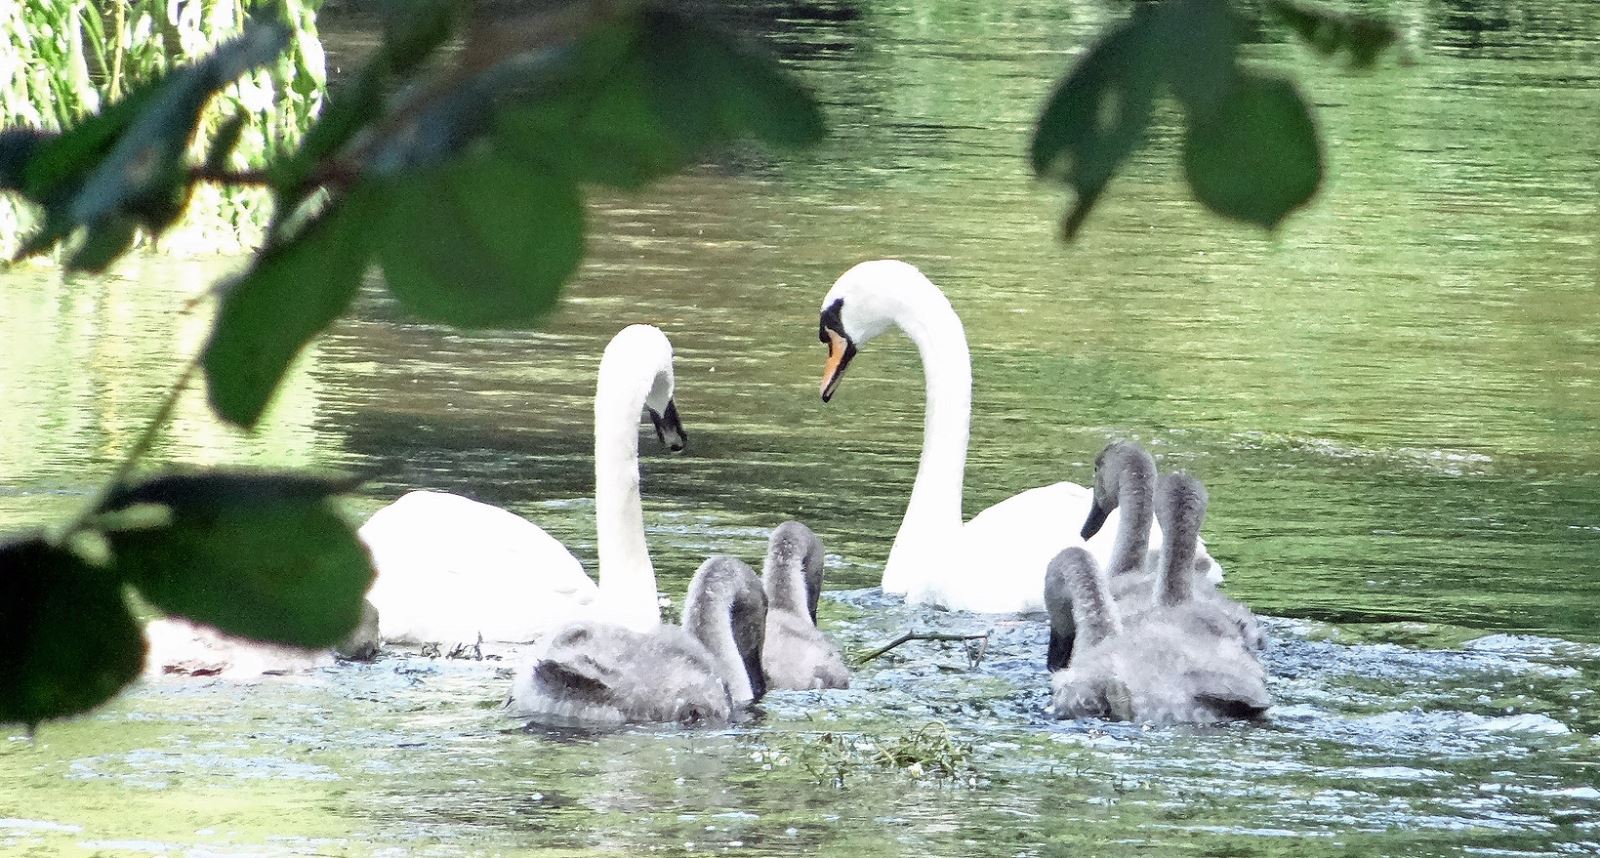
(863, 303)
(1079, 604)
(792, 576)
(1121, 465)
(725, 608)
(641, 355)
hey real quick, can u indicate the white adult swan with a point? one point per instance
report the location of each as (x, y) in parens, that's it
(996, 562)
(451, 569)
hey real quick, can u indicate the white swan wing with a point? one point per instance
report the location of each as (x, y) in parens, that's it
(451, 569)
(996, 562)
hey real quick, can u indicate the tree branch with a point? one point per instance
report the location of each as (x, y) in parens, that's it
(130, 459)
(919, 636)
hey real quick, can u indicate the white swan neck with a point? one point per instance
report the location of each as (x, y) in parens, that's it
(627, 578)
(941, 341)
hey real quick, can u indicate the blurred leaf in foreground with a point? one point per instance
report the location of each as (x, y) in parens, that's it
(1329, 32)
(261, 555)
(291, 292)
(1257, 157)
(486, 241)
(67, 640)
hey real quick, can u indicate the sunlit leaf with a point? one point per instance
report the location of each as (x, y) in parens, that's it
(1097, 115)
(147, 159)
(67, 641)
(292, 291)
(1329, 32)
(254, 555)
(1257, 157)
(485, 241)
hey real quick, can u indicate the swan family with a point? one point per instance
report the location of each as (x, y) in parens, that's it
(1138, 627)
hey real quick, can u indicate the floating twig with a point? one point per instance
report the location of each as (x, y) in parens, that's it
(925, 636)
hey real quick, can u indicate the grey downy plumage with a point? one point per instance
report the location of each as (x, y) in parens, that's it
(1125, 479)
(795, 654)
(698, 674)
(1173, 662)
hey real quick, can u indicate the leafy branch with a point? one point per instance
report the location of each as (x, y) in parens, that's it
(460, 181)
(1251, 149)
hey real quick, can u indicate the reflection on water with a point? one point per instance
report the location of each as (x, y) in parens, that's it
(1393, 403)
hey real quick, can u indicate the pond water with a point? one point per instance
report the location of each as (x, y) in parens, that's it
(1393, 402)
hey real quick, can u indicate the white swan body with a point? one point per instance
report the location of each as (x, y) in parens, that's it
(454, 570)
(996, 562)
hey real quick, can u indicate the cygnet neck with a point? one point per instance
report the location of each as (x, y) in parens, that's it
(1136, 484)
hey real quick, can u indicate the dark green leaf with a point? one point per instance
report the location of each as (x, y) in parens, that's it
(345, 113)
(213, 488)
(102, 244)
(128, 159)
(1199, 44)
(597, 122)
(705, 85)
(161, 208)
(1328, 32)
(60, 164)
(222, 143)
(293, 290)
(481, 242)
(1095, 118)
(67, 641)
(437, 130)
(412, 29)
(1257, 158)
(272, 564)
(54, 229)
(17, 148)
(613, 138)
